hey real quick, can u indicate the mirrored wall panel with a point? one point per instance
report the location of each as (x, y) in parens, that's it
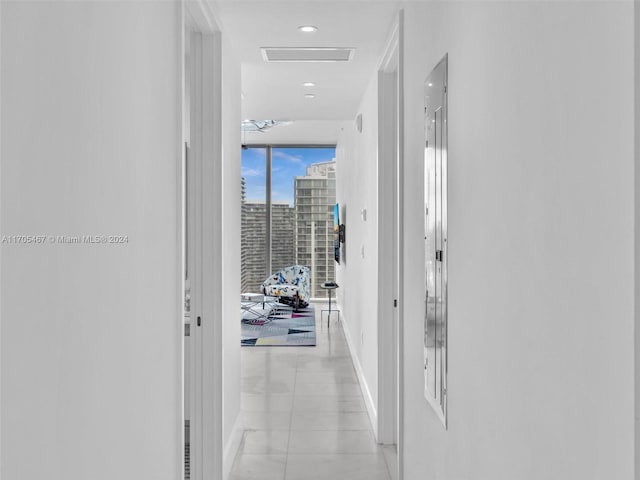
(436, 252)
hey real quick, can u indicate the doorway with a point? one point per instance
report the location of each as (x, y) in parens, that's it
(390, 114)
(202, 244)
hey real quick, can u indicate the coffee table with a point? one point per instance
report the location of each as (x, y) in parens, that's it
(256, 308)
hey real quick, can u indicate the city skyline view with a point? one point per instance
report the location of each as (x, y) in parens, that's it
(301, 215)
(287, 163)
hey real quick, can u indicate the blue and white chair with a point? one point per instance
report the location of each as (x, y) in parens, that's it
(290, 285)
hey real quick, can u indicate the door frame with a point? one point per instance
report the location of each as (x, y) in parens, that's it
(203, 72)
(389, 426)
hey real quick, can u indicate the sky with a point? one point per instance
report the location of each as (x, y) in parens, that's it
(286, 163)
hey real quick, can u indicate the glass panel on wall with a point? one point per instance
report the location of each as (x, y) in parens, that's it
(302, 195)
(436, 252)
(253, 245)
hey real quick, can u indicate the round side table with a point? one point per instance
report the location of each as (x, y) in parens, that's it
(330, 286)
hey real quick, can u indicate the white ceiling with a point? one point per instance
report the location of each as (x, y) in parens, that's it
(275, 91)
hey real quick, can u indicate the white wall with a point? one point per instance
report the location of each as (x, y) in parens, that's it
(541, 241)
(357, 189)
(91, 334)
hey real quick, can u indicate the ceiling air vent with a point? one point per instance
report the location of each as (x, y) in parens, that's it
(307, 54)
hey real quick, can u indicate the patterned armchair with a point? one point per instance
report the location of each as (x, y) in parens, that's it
(290, 285)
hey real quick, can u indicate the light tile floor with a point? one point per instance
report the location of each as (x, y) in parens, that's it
(303, 414)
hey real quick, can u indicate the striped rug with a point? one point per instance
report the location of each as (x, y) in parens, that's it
(283, 328)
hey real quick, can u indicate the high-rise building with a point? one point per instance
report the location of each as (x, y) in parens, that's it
(254, 241)
(244, 244)
(254, 234)
(283, 240)
(315, 196)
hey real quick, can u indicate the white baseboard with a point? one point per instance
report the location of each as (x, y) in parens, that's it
(232, 446)
(366, 393)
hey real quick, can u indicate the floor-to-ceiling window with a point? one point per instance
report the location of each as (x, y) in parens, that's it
(287, 213)
(254, 219)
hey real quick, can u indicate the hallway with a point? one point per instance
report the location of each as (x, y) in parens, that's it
(121, 186)
(303, 414)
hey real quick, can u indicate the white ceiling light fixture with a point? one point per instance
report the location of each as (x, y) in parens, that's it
(307, 54)
(309, 95)
(308, 84)
(308, 28)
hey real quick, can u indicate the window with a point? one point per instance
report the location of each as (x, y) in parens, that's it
(289, 219)
(254, 219)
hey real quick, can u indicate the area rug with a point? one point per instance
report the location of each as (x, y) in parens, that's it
(284, 328)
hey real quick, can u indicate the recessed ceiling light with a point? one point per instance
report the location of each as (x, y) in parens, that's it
(309, 95)
(308, 84)
(431, 84)
(307, 28)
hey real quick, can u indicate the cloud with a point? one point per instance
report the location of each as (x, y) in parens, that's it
(252, 172)
(287, 156)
